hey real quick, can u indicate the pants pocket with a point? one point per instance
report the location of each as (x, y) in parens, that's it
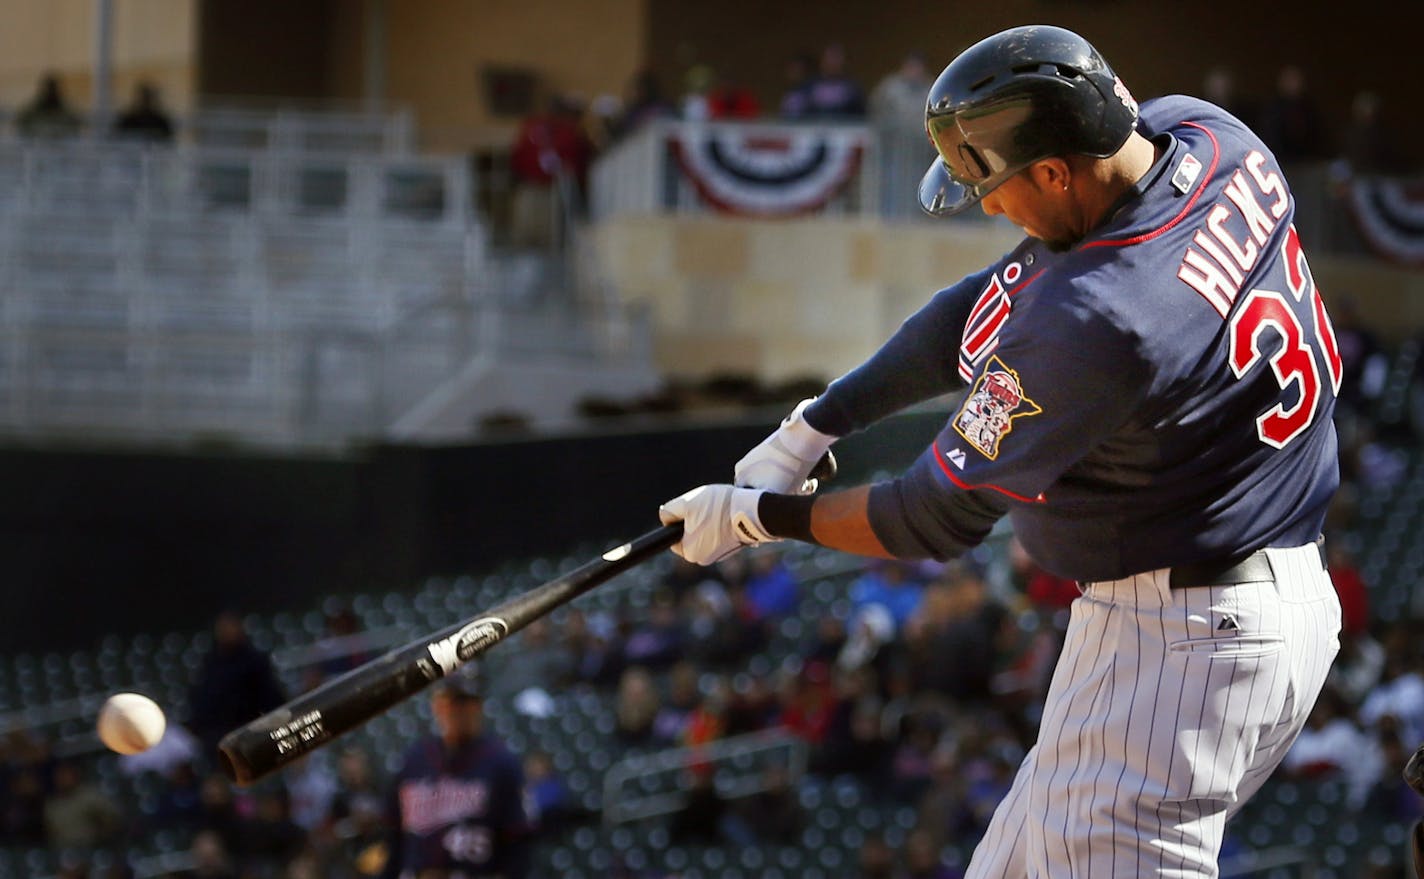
(1230, 647)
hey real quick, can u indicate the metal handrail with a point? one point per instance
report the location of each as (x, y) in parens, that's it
(619, 807)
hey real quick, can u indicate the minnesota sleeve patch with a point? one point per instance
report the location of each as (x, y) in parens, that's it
(989, 411)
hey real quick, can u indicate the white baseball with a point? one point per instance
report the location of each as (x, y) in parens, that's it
(131, 723)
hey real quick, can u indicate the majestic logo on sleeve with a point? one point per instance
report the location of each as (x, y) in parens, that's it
(989, 412)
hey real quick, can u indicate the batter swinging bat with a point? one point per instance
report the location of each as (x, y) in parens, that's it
(308, 722)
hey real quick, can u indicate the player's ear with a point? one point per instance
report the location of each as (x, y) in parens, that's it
(1052, 174)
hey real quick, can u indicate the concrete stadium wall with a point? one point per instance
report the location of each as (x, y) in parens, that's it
(815, 297)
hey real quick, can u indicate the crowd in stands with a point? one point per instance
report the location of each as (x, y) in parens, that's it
(49, 115)
(922, 686)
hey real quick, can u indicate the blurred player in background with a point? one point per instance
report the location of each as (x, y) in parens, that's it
(457, 804)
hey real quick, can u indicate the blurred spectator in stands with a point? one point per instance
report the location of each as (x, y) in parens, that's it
(670, 723)
(754, 705)
(457, 804)
(637, 706)
(24, 806)
(771, 816)
(869, 645)
(362, 840)
(1291, 124)
(1357, 668)
(1392, 798)
(897, 103)
(1350, 586)
(1332, 744)
(876, 859)
(1364, 364)
(833, 94)
(1370, 148)
(712, 95)
(771, 590)
(796, 100)
(828, 639)
(77, 815)
(1219, 87)
(716, 636)
(940, 810)
(311, 785)
(356, 786)
(897, 110)
(549, 160)
(887, 582)
(551, 805)
(270, 839)
(235, 683)
(1043, 590)
(593, 646)
(646, 102)
(854, 741)
(963, 655)
(706, 724)
(808, 702)
(910, 767)
(539, 664)
(1400, 693)
(218, 812)
(922, 858)
(988, 774)
(144, 119)
(26, 767)
(210, 859)
(180, 799)
(656, 641)
(340, 647)
(47, 115)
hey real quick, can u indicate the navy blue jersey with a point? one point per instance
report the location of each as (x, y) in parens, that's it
(459, 812)
(1160, 393)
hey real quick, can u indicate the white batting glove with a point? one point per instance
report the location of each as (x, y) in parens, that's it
(783, 461)
(717, 520)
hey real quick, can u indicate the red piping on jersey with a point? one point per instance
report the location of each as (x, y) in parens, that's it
(1029, 280)
(1206, 178)
(939, 459)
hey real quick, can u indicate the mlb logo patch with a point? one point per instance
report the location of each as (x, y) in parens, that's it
(1188, 170)
(989, 411)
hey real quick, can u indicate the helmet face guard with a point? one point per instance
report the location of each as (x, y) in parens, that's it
(977, 152)
(1022, 95)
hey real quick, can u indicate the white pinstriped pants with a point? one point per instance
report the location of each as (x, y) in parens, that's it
(1168, 709)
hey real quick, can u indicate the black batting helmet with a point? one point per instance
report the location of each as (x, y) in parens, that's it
(1023, 94)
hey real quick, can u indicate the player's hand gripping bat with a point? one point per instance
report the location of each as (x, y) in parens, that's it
(309, 721)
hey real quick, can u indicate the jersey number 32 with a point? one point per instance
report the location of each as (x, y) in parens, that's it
(1301, 358)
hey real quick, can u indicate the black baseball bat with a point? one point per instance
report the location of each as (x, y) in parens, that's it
(309, 721)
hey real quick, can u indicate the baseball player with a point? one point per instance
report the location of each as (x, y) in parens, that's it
(457, 806)
(1151, 375)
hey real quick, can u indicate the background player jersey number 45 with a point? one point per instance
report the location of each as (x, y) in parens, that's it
(1295, 361)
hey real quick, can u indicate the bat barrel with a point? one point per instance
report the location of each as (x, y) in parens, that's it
(304, 724)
